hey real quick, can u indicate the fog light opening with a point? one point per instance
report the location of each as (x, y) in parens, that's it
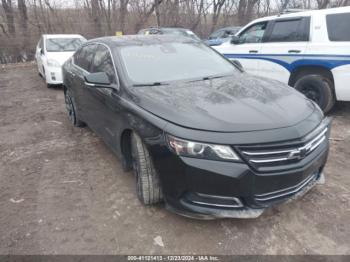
(215, 201)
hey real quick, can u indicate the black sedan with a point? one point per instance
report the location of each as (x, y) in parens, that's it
(201, 135)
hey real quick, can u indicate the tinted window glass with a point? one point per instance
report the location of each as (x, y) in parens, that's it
(103, 63)
(84, 56)
(338, 27)
(253, 34)
(173, 61)
(287, 31)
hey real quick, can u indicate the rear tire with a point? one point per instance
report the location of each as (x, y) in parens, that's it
(317, 88)
(147, 180)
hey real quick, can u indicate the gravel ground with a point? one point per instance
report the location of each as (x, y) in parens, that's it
(62, 191)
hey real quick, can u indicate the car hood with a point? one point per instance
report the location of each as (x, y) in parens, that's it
(60, 57)
(230, 104)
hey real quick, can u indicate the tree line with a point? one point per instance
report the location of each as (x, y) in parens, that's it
(23, 21)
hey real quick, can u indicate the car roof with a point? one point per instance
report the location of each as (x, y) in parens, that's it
(229, 28)
(167, 28)
(306, 13)
(130, 40)
(48, 36)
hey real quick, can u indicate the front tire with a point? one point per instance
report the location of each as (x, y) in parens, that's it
(319, 89)
(147, 180)
(71, 110)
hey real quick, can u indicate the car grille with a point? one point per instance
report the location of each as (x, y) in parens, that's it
(286, 192)
(276, 157)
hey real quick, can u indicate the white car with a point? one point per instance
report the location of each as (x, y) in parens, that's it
(308, 50)
(52, 52)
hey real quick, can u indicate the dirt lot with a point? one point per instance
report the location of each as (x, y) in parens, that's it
(62, 191)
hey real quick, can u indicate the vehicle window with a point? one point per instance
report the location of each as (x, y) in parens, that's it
(84, 56)
(227, 33)
(63, 44)
(217, 34)
(287, 31)
(253, 34)
(103, 63)
(155, 32)
(338, 27)
(173, 61)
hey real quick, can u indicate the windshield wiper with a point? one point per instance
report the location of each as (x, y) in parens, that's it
(151, 84)
(208, 78)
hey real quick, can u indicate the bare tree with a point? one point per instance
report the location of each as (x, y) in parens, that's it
(217, 6)
(322, 4)
(245, 10)
(23, 15)
(145, 10)
(123, 11)
(10, 18)
(95, 14)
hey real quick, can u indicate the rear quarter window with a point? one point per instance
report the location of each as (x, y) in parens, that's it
(338, 27)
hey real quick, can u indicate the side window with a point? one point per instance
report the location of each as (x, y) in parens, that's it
(253, 34)
(217, 34)
(103, 63)
(338, 27)
(295, 30)
(84, 56)
(155, 32)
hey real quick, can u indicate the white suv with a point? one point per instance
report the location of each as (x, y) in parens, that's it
(308, 50)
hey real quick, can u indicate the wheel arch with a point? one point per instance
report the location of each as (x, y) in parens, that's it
(125, 148)
(300, 71)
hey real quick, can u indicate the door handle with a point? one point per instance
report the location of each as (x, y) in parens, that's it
(253, 51)
(294, 51)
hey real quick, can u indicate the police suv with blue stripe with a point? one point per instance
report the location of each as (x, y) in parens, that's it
(309, 50)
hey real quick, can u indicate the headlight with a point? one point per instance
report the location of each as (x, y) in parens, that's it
(200, 150)
(53, 63)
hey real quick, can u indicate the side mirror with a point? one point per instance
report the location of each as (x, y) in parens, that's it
(98, 80)
(235, 40)
(41, 51)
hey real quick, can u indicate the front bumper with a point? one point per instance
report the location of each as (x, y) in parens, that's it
(53, 75)
(207, 189)
(207, 213)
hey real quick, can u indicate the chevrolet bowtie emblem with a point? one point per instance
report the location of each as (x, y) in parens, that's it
(299, 153)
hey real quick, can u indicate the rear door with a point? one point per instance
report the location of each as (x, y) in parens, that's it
(283, 47)
(247, 51)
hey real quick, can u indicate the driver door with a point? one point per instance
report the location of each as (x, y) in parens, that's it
(106, 113)
(247, 50)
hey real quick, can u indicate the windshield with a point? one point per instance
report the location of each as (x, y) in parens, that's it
(173, 61)
(63, 44)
